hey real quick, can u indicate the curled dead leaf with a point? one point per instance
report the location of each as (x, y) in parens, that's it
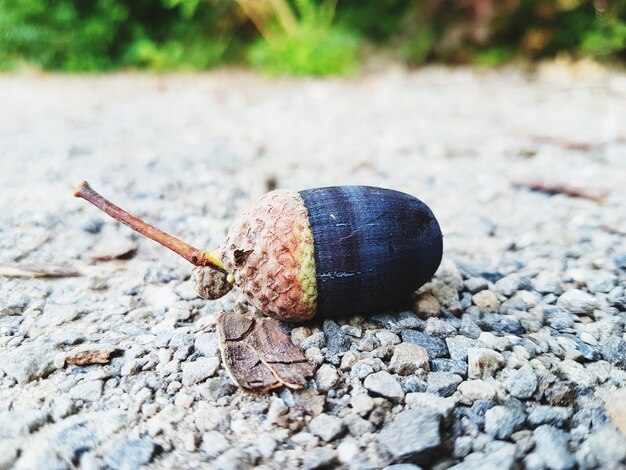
(258, 355)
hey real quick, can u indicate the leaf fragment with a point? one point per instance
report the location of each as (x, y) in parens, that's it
(258, 355)
(90, 354)
(37, 270)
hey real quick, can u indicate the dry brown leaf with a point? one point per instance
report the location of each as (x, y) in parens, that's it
(90, 354)
(258, 355)
(34, 270)
(566, 189)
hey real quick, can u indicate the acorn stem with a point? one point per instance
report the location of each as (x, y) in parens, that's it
(194, 255)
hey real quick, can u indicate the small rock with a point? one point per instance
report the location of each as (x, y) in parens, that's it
(326, 427)
(90, 390)
(21, 423)
(503, 458)
(462, 446)
(614, 351)
(552, 415)
(522, 383)
(186, 291)
(362, 404)
(347, 450)
(600, 282)
(407, 320)
(413, 384)
(131, 454)
(29, 362)
(616, 407)
(321, 457)
(326, 377)
(558, 318)
(477, 390)
(620, 261)
(306, 440)
(130, 367)
(483, 362)
(314, 355)
(213, 444)
(501, 422)
(458, 347)
(487, 300)
(436, 347)
(357, 425)
(368, 343)
(384, 384)
(233, 458)
(352, 330)
(403, 466)
(310, 402)
(266, 445)
(560, 393)
(443, 406)
(387, 338)
(548, 283)
(8, 453)
(199, 370)
(97, 283)
(508, 285)
(551, 450)
(349, 359)
(183, 400)
(316, 340)
(63, 407)
(276, 409)
(492, 341)
(207, 344)
(448, 365)
(361, 370)
(469, 327)
(604, 449)
(336, 340)
(476, 284)
(427, 306)
(413, 434)
(439, 328)
(577, 373)
(299, 334)
(578, 302)
(57, 444)
(407, 358)
(443, 383)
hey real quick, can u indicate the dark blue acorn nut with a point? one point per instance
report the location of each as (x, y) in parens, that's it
(373, 247)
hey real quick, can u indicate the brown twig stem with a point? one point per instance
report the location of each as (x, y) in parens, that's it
(195, 256)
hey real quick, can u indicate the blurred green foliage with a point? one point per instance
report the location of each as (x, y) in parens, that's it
(307, 43)
(302, 37)
(90, 35)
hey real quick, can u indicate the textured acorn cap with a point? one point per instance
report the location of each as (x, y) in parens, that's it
(269, 253)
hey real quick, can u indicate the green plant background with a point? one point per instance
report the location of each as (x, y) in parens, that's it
(161, 35)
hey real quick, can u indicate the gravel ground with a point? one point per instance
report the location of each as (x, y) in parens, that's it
(513, 356)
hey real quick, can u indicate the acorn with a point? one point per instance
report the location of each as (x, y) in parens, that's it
(324, 252)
